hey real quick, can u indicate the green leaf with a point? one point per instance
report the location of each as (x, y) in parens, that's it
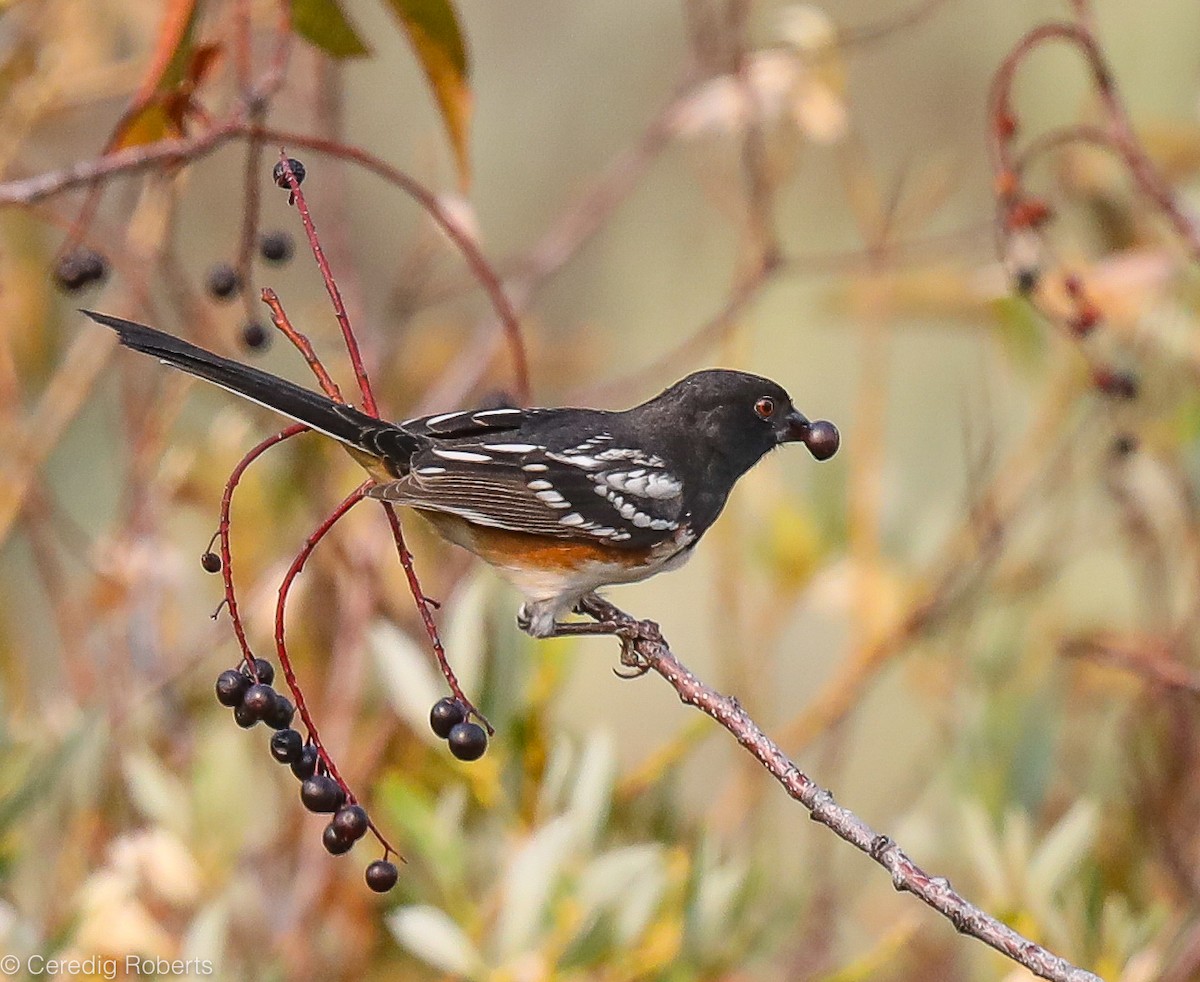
(436, 39)
(1021, 330)
(323, 23)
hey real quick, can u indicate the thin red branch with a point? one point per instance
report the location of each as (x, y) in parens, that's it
(423, 608)
(476, 261)
(422, 602)
(285, 661)
(370, 407)
(223, 533)
(1120, 133)
(284, 325)
(133, 160)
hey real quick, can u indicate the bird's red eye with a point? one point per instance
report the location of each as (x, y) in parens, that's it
(765, 407)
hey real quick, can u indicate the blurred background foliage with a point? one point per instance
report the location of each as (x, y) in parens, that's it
(977, 625)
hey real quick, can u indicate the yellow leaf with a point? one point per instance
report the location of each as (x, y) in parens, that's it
(435, 36)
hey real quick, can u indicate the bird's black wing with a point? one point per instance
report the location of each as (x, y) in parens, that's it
(593, 490)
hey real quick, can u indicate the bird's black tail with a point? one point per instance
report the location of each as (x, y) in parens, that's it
(388, 441)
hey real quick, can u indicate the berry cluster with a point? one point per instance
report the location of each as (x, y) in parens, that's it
(79, 267)
(249, 694)
(448, 719)
(224, 283)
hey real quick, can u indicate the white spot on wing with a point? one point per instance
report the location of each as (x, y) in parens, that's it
(539, 485)
(430, 471)
(434, 420)
(572, 519)
(662, 486)
(462, 456)
(553, 499)
(535, 468)
(483, 413)
(511, 447)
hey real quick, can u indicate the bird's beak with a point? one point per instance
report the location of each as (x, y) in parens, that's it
(795, 428)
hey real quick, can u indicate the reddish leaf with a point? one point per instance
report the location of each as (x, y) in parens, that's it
(146, 120)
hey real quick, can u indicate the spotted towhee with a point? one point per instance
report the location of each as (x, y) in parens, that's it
(560, 501)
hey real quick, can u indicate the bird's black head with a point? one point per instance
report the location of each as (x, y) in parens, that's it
(741, 417)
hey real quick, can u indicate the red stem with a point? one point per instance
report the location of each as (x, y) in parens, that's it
(285, 661)
(335, 295)
(223, 534)
(423, 605)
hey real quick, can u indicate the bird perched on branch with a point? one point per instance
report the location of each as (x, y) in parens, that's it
(561, 501)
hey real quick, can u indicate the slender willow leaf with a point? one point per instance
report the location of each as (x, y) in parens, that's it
(324, 24)
(436, 38)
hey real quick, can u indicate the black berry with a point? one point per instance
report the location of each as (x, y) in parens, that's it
(1124, 444)
(263, 668)
(287, 746)
(351, 822)
(211, 562)
(1026, 281)
(281, 713)
(223, 281)
(94, 266)
(382, 875)
(76, 269)
(306, 766)
(1116, 384)
(280, 177)
(468, 741)
(276, 247)
(255, 336)
(243, 717)
(321, 793)
(822, 439)
(231, 687)
(258, 700)
(445, 715)
(334, 842)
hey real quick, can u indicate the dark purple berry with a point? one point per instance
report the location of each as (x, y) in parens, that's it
(382, 875)
(231, 687)
(211, 562)
(321, 793)
(76, 269)
(258, 700)
(468, 741)
(69, 274)
(94, 266)
(351, 822)
(1026, 280)
(255, 336)
(334, 842)
(1116, 384)
(243, 717)
(281, 713)
(276, 247)
(287, 746)
(445, 715)
(263, 668)
(223, 282)
(1124, 444)
(822, 439)
(280, 177)
(306, 766)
